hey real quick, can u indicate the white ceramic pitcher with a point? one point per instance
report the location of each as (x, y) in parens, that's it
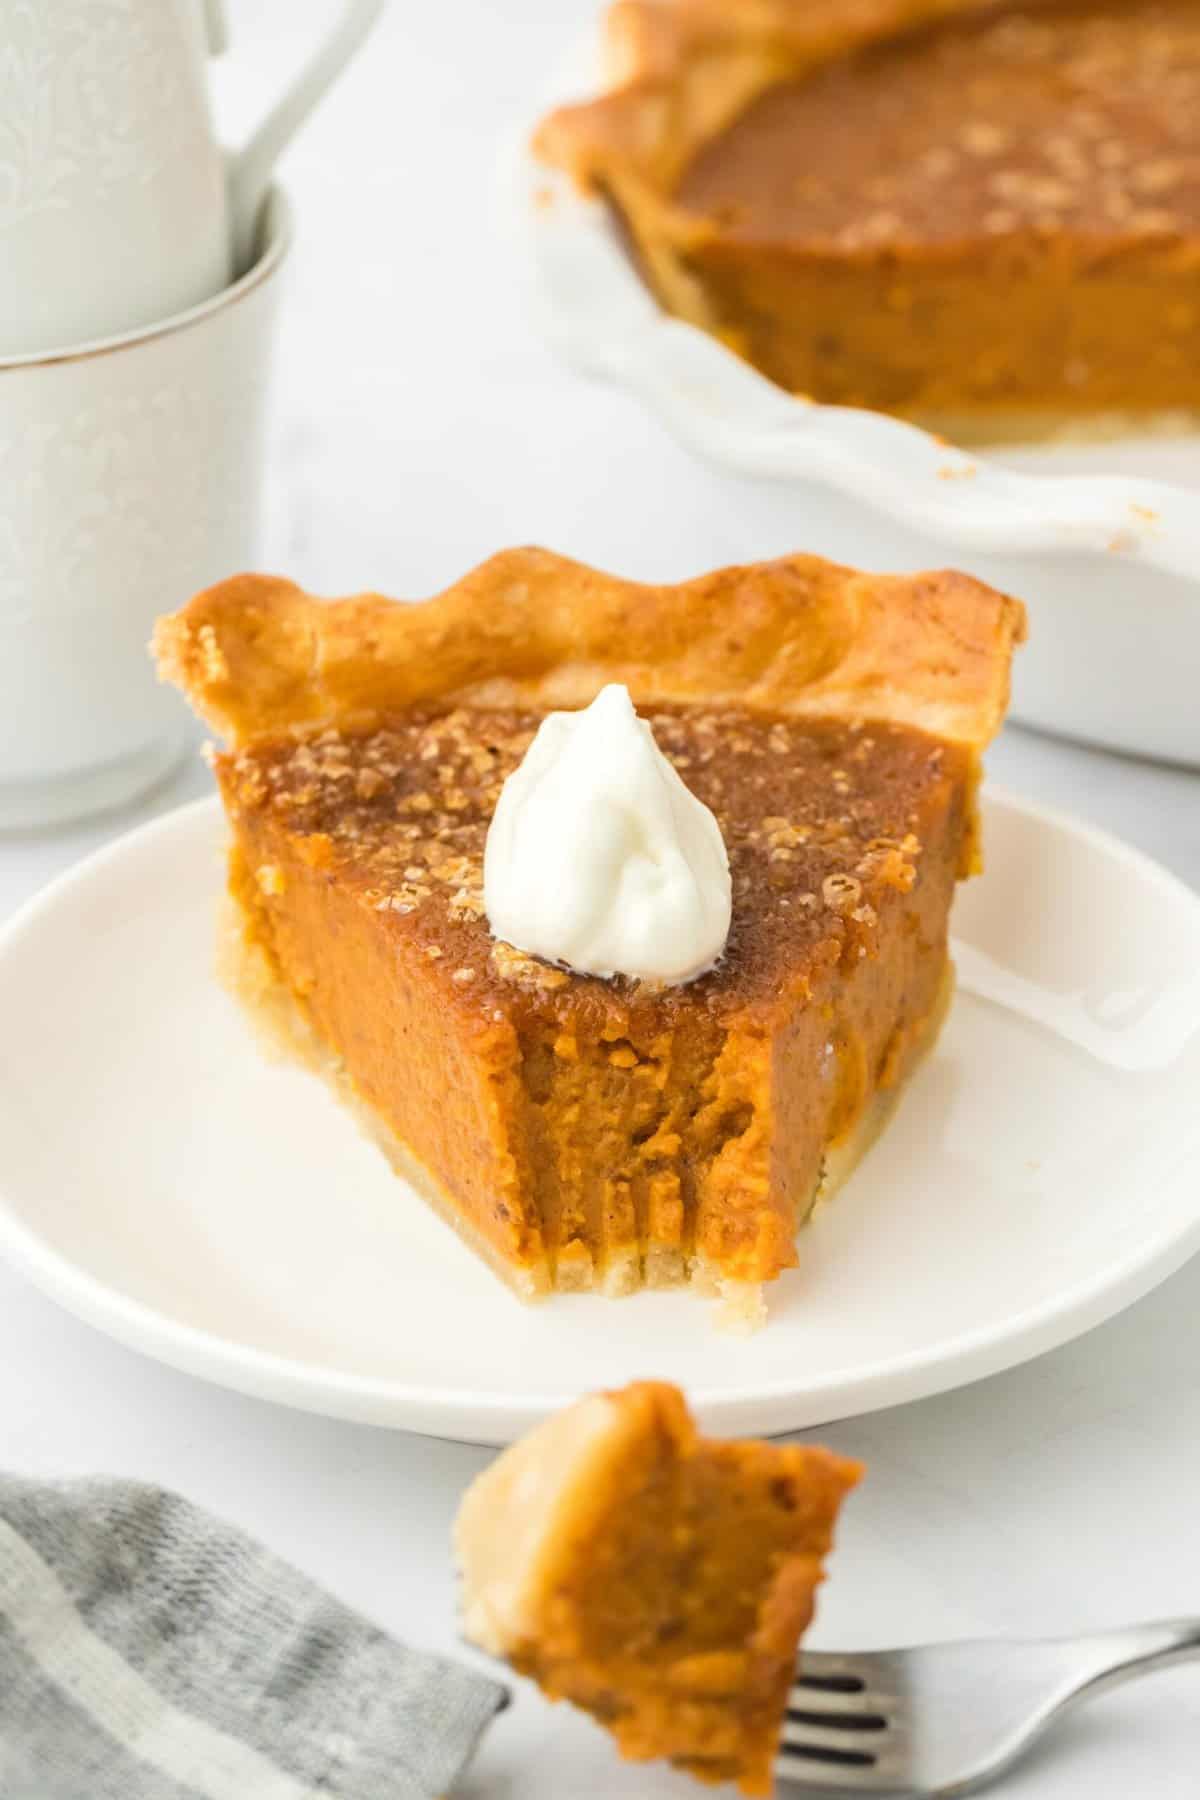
(118, 207)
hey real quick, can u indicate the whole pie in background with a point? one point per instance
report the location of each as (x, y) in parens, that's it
(979, 213)
(581, 1132)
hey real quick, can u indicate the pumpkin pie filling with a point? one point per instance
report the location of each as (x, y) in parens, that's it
(653, 1127)
(582, 1132)
(979, 211)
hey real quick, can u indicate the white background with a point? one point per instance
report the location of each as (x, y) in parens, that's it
(420, 425)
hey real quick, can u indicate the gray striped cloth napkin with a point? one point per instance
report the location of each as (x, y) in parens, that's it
(150, 1652)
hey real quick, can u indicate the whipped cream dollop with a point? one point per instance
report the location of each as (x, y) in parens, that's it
(599, 857)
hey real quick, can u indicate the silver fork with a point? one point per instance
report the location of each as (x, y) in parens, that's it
(946, 1719)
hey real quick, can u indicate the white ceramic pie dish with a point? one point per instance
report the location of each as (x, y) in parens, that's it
(1101, 540)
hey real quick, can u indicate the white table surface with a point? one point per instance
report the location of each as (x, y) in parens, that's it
(420, 425)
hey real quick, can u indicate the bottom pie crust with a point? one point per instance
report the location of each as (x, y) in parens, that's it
(1055, 430)
(284, 1033)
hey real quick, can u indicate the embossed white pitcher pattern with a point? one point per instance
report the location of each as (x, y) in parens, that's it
(118, 208)
(113, 209)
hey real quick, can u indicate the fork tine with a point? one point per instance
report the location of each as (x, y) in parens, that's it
(825, 1665)
(871, 1700)
(830, 1662)
(865, 1747)
(827, 1777)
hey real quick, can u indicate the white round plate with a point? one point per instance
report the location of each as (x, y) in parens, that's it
(222, 1213)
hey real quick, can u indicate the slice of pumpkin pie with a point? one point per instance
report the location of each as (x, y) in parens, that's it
(637, 1041)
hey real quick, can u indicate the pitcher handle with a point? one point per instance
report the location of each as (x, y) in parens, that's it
(216, 26)
(251, 167)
